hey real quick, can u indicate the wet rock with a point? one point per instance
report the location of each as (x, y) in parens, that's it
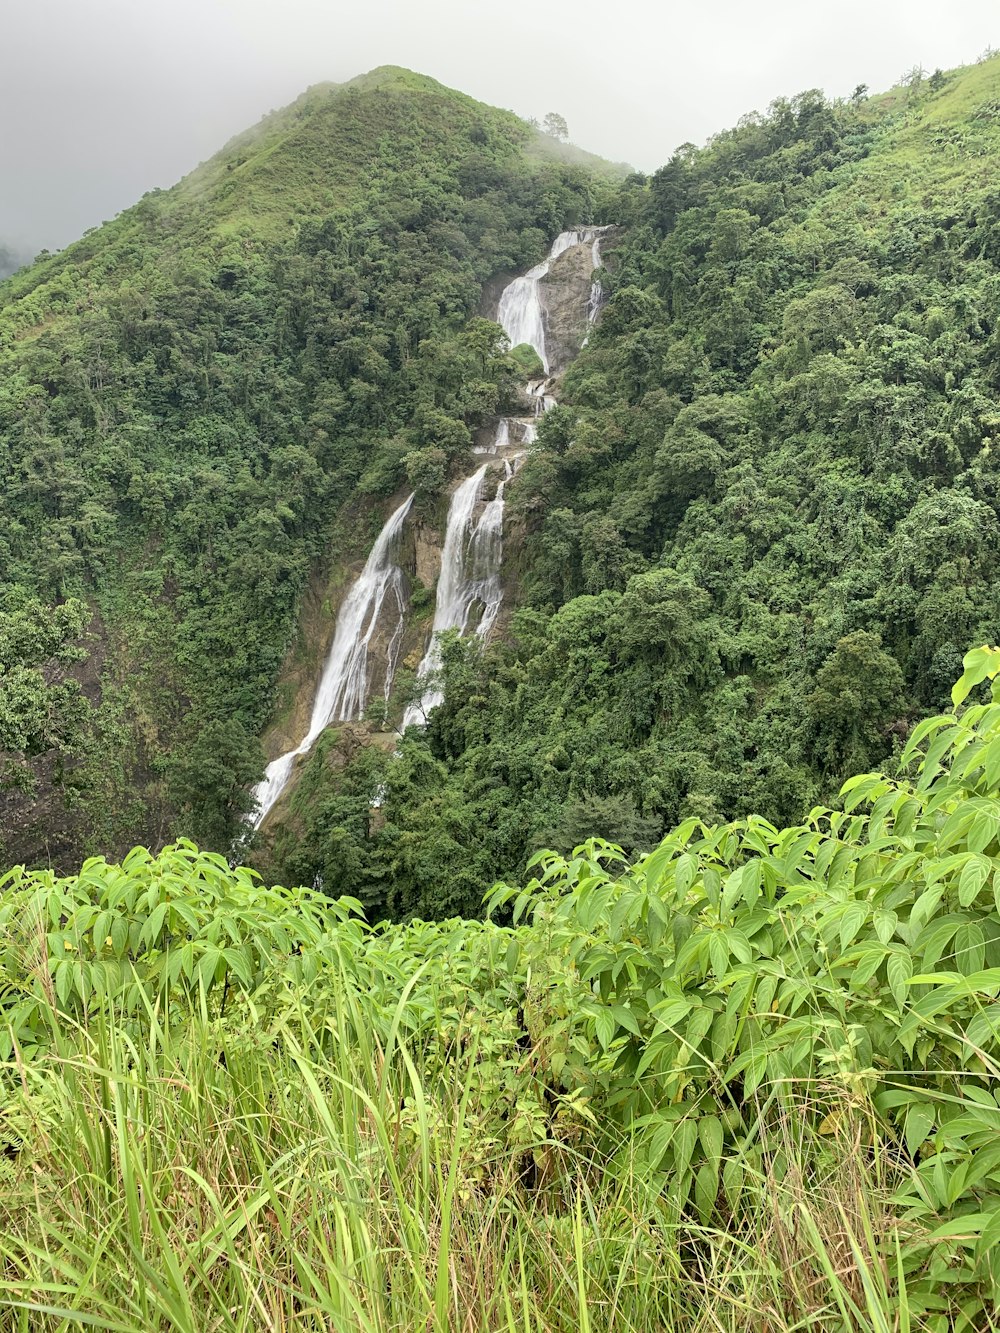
(565, 297)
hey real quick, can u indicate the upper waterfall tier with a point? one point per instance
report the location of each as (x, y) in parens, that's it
(343, 686)
(521, 312)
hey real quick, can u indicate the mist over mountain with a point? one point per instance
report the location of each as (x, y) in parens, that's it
(11, 259)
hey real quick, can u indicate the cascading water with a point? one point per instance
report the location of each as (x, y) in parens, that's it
(501, 439)
(486, 549)
(596, 290)
(471, 558)
(470, 561)
(470, 575)
(343, 687)
(454, 600)
(520, 309)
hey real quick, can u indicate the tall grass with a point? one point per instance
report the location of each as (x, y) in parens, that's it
(197, 1176)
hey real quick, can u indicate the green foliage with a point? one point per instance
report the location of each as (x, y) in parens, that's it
(775, 1048)
(193, 394)
(43, 715)
(857, 954)
(759, 530)
(527, 360)
(180, 923)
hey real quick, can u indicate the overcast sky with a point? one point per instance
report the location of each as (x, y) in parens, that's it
(101, 100)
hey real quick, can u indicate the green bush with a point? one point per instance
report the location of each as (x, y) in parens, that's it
(781, 1043)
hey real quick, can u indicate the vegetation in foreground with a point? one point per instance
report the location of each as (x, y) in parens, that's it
(747, 1081)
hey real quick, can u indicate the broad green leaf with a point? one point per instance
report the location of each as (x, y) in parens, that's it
(970, 949)
(605, 1027)
(899, 969)
(710, 1135)
(706, 1189)
(851, 922)
(885, 924)
(625, 1018)
(920, 1118)
(974, 875)
(756, 1069)
(685, 1139)
(980, 664)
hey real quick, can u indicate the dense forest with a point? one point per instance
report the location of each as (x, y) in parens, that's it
(757, 535)
(189, 396)
(745, 558)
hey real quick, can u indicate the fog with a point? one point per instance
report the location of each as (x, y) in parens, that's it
(102, 100)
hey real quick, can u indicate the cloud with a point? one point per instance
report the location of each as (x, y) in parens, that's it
(102, 100)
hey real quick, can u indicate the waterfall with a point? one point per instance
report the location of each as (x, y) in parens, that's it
(501, 439)
(596, 290)
(520, 309)
(487, 552)
(343, 686)
(470, 559)
(470, 576)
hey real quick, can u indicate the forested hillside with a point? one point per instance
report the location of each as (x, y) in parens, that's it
(760, 529)
(746, 556)
(736, 1067)
(191, 394)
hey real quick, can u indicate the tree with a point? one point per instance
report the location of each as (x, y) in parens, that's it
(555, 125)
(859, 94)
(859, 692)
(210, 783)
(42, 713)
(913, 79)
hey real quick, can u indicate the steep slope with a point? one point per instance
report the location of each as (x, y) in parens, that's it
(209, 395)
(759, 531)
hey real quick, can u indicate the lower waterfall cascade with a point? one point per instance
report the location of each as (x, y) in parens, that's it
(343, 687)
(469, 587)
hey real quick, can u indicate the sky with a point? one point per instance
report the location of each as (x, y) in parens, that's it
(102, 100)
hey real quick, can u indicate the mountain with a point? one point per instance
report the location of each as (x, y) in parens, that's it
(758, 533)
(193, 393)
(747, 555)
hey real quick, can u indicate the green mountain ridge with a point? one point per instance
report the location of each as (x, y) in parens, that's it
(749, 552)
(190, 395)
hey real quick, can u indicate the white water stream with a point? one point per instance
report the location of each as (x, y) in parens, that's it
(596, 290)
(520, 310)
(470, 576)
(473, 548)
(343, 686)
(470, 559)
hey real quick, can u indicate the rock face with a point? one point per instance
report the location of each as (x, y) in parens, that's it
(565, 294)
(426, 553)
